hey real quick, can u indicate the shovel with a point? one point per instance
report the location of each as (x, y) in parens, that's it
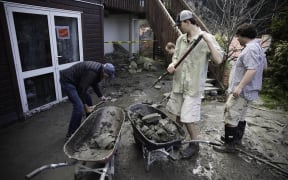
(182, 58)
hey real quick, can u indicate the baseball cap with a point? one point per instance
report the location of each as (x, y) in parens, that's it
(183, 15)
(110, 70)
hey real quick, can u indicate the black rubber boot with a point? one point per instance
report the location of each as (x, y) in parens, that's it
(239, 135)
(230, 138)
(241, 129)
(190, 151)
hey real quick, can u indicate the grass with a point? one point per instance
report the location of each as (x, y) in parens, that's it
(274, 103)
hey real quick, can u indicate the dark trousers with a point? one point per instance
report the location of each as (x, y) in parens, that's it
(78, 106)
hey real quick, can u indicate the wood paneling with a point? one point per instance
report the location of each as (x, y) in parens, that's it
(10, 109)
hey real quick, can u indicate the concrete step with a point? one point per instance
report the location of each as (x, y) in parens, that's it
(210, 80)
(208, 85)
(211, 88)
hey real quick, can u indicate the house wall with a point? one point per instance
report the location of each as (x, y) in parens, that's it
(121, 27)
(10, 108)
(93, 48)
(116, 28)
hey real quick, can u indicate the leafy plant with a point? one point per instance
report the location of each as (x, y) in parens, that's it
(275, 83)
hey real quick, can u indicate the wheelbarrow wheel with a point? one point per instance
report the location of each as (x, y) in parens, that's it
(147, 167)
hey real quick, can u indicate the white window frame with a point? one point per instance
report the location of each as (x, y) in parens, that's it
(55, 68)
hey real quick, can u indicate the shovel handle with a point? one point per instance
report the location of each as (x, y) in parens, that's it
(181, 59)
(159, 79)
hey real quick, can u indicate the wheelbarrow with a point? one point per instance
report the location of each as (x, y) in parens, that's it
(152, 150)
(79, 147)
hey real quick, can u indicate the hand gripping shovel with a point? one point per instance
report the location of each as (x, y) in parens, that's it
(182, 58)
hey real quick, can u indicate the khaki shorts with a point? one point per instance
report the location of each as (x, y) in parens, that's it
(235, 110)
(187, 107)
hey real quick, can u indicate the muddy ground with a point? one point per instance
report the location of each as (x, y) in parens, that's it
(39, 140)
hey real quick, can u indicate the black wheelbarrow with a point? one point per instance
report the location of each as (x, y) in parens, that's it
(152, 150)
(106, 120)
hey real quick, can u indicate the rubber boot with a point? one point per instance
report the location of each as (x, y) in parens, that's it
(190, 151)
(240, 132)
(241, 129)
(230, 138)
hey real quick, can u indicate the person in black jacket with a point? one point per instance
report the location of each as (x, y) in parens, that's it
(76, 80)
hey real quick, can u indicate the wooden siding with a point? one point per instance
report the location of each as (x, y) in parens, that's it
(164, 32)
(93, 49)
(135, 6)
(92, 22)
(10, 107)
(155, 13)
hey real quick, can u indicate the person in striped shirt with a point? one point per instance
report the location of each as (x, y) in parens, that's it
(244, 87)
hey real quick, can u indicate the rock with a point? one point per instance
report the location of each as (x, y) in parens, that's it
(171, 128)
(103, 141)
(153, 68)
(147, 66)
(149, 133)
(113, 100)
(160, 131)
(132, 71)
(144, 129)
(133, 65)
(157, 87)
(163, 122)
(151, 118)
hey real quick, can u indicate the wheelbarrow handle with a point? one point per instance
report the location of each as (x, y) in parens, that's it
(47, 166)
(202, 141)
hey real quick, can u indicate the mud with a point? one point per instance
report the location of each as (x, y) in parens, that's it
(39, 140)
(95, 139)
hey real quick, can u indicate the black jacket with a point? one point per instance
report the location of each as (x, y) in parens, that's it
(82, 75)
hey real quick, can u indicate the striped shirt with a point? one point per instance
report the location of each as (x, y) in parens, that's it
(251, 57)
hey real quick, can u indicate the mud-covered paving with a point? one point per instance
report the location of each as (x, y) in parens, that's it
(39, 140)
(265, 137)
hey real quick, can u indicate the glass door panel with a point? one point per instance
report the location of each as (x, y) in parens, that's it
(33, 40)
(40, 90)
(66, 29)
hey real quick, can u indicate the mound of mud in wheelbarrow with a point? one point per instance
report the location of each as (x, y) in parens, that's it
(97, 138)
(156, 128)
(152, 128)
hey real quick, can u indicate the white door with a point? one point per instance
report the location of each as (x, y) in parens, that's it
(44, 41)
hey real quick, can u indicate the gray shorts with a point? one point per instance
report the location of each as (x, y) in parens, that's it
(235, 110)
(187, 107)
